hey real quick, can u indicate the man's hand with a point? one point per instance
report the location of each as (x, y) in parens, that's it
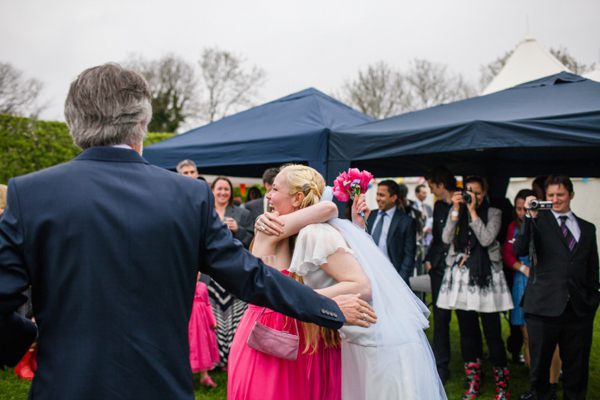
(528, 204)
(356, 311)
(359, 205)
(270, 224)
(428, 266)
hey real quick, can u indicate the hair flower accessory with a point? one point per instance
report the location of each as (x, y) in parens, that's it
(351, 184)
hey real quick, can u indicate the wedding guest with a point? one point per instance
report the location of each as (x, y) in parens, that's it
(118, 246)
(442, 184)
(187, 168)
(394, 231)
(520, 265)
(474, 283)
(316, 373)
(561, 297)
(227, 308)
(204, 351)
(253, 194)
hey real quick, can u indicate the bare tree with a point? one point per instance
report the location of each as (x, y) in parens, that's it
(570, 62)
(489, 71)
(174, 85)
(229, 86)
(19, 96)
(380, 91)
(432, 84)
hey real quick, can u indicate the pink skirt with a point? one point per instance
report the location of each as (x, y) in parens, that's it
(255, 375)
(204, 352)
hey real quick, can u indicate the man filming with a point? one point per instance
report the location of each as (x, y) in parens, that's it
(561, 297)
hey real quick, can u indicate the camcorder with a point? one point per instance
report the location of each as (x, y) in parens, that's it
(540, 205)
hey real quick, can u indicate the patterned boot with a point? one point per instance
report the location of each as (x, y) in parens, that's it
(473, 372)
(502, 376)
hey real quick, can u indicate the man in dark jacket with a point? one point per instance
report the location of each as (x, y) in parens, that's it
(112, 247)
(561, 297)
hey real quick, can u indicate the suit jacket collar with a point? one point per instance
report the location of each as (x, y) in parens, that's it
(557, 230)
(113, 154)
(394, 225)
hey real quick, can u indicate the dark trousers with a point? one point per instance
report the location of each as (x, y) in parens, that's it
(573, 334)
(441, 325)
(471, 345)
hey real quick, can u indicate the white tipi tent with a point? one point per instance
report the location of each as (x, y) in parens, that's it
(529, 61)
(593, 75)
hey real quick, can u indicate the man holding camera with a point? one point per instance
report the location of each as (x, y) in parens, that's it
(562, 296)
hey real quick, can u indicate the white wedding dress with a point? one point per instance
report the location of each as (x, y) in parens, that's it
(392, 359)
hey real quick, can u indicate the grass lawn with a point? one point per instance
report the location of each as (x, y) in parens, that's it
(12, 388)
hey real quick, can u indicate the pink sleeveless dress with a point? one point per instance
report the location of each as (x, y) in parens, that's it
(254, 375)
(204, 352)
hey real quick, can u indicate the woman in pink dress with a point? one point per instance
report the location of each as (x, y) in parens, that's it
(316, 373)
(204, 352)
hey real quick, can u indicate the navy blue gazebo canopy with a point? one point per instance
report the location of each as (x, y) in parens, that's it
(294, 128)
(540, 127)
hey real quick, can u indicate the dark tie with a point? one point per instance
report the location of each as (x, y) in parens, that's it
(378, 228)
(565, 230)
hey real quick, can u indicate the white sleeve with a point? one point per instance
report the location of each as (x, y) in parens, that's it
(314, 244)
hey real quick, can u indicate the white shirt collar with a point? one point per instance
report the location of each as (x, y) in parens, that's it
(122, 146)
(569, 214)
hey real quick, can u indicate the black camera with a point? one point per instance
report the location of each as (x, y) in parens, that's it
(466, 196)
(540, 205)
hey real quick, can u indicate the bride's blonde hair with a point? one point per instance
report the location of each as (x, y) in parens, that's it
(307, 180)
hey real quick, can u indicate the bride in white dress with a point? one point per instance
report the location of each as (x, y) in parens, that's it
(392, 359)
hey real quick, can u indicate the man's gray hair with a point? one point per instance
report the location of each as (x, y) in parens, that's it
(184, 163)
(108, 105)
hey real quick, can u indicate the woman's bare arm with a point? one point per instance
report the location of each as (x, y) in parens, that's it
(344, 268)
(293, 222)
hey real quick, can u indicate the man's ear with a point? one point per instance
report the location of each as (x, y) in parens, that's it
(394, 198)
(571, 195)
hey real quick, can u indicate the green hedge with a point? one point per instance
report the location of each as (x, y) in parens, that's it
(28, 145)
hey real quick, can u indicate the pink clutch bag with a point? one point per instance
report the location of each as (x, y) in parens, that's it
(273, 342)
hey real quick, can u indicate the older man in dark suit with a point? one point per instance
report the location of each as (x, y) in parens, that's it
(392, 230)
(561, 297)
(111, 247)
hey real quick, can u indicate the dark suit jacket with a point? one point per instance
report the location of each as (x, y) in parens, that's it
(111, 246)
(256, 207)
(245, 232)
(560, 275)
(438, 250)
(401, 241)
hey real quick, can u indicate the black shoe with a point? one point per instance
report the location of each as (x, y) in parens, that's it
(527, 396)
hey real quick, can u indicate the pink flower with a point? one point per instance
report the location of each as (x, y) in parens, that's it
(365, 179)
(354, 173)
(341, 194)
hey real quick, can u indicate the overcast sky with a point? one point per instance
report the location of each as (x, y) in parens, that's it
(301, 44)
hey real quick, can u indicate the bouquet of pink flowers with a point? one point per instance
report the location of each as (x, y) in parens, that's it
(351, 184)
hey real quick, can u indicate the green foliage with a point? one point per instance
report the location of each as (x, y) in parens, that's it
(155, 137)
(28, 145)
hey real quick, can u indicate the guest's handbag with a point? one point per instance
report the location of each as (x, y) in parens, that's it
(273, 342)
